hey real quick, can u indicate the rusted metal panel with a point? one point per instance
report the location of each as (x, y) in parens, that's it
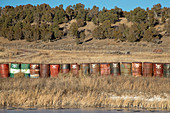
(75, 69)
(137, 69)
(4, 70)
(65, 68)
(94, 69)
(105, 69)
(147, 69)
(34, 70)
(158, 70)
(54, 70)
(44, 70)
(126, 68)
(115, 68)
(166, 70)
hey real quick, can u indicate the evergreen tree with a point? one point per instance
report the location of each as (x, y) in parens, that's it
(36, 34)
(106, 25)
(109, 33)
(150, 34)
(151, 19)
(10, 34)
(18, 34)
(55, 29)
(80, 23)
(73, 29)
(157, 10)
(95, 20)
(69, 12)
(92, 14)
(98, 33)
(137, 15)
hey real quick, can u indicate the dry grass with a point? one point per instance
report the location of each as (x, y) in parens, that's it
(59, 57)
(78, 92)
(123, 21)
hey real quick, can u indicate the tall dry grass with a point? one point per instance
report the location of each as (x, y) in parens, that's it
(77, 92)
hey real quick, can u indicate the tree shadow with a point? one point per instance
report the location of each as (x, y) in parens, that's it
(88, 40)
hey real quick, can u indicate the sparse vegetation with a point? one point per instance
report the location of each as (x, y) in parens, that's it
(74, 29)
(42, 22)
(167, 27)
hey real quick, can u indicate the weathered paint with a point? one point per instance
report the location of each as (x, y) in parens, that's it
(137, 69)
(85, 69)
(147, 69)
(74, 69)
(94, 69)
(166, 69)
(4, 70)
(115, 68)
(15, 68)
(105, 69)
(25, 68)
(126, 68)
(44, 70)
(34, 70)
(65, 68)
(158, 70)
(54, 70)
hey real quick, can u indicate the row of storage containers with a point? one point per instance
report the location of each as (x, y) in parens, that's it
(115, 69)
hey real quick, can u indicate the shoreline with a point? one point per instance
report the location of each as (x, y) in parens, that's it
(87, 108)
(86, 92)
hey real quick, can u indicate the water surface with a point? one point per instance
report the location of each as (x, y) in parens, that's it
(78, 111)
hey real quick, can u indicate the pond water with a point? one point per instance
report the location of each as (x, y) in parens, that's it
(78, 111)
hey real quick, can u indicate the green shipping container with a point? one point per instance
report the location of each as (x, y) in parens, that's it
(25, 68)
(15, 68)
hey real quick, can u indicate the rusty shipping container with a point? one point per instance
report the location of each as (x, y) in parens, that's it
(115, 68)
(54, 70)
(105, 69)
(137, 69)
(65, 68)
(4, 70)
(158, 70)
(147, 69)
(94, 68)
(166, 70)
(85, 69)
(74, 69)
(44, 70)
(34, 70)
(126, 68)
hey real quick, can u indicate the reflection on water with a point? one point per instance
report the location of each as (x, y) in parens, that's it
(77, 111)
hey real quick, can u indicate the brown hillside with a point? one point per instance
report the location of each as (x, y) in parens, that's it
(123, 21)
(91, 50)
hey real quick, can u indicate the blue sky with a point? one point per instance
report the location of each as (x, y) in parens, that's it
(126, 5)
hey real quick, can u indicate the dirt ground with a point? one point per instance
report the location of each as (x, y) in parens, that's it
(65, 51)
